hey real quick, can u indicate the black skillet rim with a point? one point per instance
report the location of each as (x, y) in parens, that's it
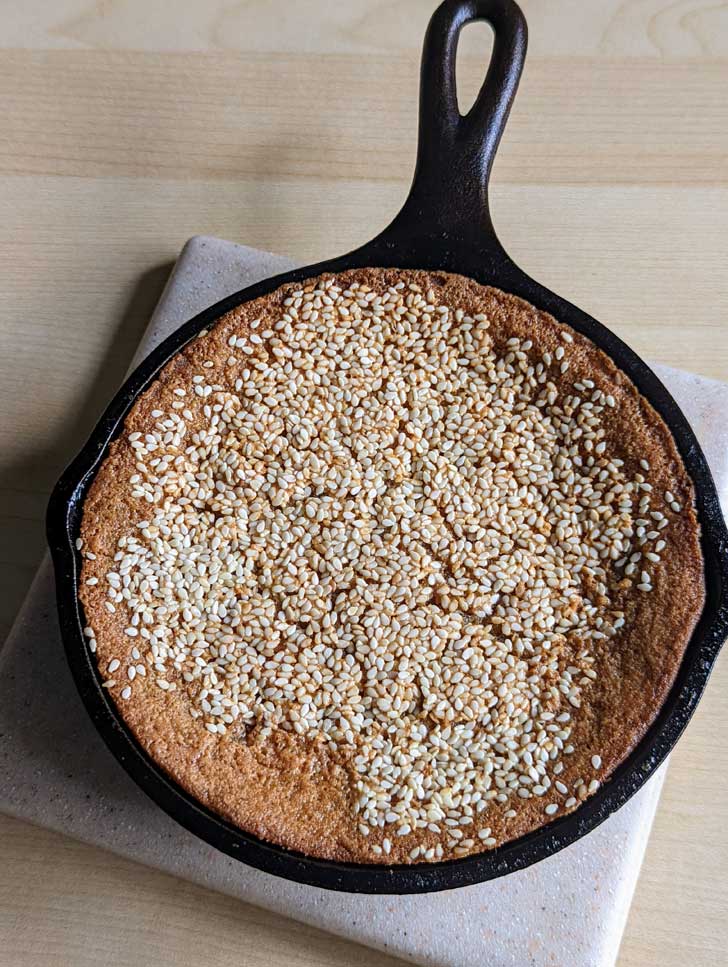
(452, 240)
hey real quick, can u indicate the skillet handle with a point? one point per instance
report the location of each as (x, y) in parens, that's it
(455, 153)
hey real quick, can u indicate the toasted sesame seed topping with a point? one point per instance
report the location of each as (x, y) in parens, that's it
(395, 537)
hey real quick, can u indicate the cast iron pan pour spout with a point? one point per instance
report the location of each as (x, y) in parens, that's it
(444, 225)
(447, 210)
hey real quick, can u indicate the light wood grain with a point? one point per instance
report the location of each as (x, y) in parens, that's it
(333, 116)
(595, 28)
(129, 125)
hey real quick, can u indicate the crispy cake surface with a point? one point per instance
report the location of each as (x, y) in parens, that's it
(298, 789)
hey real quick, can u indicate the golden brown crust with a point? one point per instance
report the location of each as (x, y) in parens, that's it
(290, 791)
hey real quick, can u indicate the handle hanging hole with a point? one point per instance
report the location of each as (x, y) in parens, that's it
(472, 55)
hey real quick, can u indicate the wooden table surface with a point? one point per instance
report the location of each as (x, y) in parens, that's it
(129, 125)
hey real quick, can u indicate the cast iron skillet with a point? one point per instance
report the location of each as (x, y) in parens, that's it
(444, 225)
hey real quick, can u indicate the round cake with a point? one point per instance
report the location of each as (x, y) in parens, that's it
(390, 567)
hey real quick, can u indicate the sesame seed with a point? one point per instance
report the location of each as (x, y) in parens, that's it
(596, 761)
(551, 808)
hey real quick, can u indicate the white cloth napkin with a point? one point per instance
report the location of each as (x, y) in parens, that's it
(55, 771)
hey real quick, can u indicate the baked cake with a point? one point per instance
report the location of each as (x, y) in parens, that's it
(390, 566)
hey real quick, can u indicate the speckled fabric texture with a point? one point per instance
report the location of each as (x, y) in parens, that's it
(56, 772)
